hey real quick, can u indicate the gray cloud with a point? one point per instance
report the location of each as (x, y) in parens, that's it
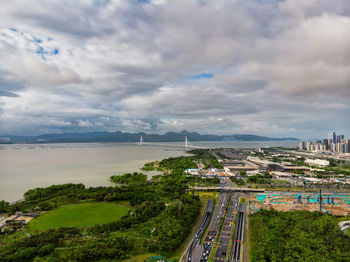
(279, 67)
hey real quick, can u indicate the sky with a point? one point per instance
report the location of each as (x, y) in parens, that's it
(265, 67)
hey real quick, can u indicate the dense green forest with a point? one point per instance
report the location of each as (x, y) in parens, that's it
(297, 236)
(128, 178)
(3, 206)
(177, 164)
(162, 218)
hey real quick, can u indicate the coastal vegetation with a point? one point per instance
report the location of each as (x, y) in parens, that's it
(162, 215)
(128, 178)
(3, 206)
(149, 166)
(207, 158)
(296, 236)
(171, 164)
(177, 164)
(180, 164)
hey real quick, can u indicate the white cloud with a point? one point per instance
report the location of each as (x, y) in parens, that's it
(277, 66)
(60, 123)
(85, 123)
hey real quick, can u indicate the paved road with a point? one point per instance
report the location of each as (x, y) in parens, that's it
(200, 253)
(239, 232)
(223, 247)
(200, 231)
(228, 189)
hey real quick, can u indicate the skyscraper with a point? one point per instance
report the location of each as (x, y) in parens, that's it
(325, 142)
(338, 138)
(347, 145)
(334, 137)
(331, 138)
(334, 147)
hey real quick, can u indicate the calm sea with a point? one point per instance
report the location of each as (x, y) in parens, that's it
(26, 166)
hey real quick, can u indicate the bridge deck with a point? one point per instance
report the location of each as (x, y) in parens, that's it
(233, 189)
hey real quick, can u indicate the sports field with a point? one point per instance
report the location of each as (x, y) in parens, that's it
(78, 215)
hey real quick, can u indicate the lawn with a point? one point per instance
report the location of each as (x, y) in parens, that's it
(78, 215)
(207, 195)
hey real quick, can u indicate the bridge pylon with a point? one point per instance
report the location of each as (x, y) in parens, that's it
(141, 141)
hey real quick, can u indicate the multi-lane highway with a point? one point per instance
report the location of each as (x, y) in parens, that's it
(239, 232)
(197, 252)
(200, 230)
(223, 236)
(214, 226)
(223, 245)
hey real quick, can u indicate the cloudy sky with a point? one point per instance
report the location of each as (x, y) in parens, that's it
(267, 67)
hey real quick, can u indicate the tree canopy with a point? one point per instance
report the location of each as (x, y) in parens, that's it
(297, 236)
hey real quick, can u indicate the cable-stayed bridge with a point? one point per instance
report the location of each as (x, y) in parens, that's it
(186, 145)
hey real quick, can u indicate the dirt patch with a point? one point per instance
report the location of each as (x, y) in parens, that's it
(337, 204)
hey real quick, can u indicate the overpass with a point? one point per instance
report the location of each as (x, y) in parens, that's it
(228, 189)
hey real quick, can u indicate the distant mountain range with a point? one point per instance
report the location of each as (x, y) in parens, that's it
(135, 137)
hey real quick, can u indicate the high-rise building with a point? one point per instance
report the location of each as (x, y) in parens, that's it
(331, 138)
(334, 147)
(341, 138)
(341, 148)
(325, 143)
(334, 143)
(334, 137)
(308, 146)
(347, 145)
(338, 138)
(318, 146)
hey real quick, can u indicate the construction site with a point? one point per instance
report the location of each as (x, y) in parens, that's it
(331, 203)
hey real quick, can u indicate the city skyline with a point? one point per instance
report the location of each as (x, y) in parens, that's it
(269, 68)
(337, 143)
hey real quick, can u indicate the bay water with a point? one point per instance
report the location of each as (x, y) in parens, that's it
(26, 166)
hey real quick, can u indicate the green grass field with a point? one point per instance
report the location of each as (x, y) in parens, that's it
(78, 215)
(207, 195)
